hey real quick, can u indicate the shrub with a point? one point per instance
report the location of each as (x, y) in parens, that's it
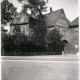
(55, 44)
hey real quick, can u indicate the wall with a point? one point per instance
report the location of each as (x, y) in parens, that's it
(62, 26)
(23, 29)
(20, 21)
(11, 29)
(64, 31)
(74, 37)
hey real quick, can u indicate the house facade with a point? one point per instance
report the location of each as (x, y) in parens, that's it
(69, 30)
(57, 19)
(25, 23)
(20, 24)
(74, 33)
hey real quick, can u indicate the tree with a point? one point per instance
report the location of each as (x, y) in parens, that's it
(14, 43)
(35, 6)
(7, 11)
(54, 35)
(34, 3)
(38, 23)
(55, 42)
(39, 30)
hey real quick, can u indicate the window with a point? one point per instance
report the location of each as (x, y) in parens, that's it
(76, 45)
(64, 32)
(76, 32)
(16, 29)
(19, 19)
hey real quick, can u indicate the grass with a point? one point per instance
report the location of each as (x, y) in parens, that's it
(28, 70)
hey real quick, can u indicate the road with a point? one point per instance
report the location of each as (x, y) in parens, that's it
(40, 68)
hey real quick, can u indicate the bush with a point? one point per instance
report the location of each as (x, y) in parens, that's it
(55, 44)
(16, 42)
(19, 44)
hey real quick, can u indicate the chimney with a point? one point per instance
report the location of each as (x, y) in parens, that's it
(51, 9)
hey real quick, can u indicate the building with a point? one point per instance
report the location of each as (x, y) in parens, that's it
(74, 33)
(25, 23)
(57, 19)
(69, 30)
(20, 24)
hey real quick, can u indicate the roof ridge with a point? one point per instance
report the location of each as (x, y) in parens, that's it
(54, 11)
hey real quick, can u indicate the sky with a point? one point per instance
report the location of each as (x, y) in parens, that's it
(70, 7)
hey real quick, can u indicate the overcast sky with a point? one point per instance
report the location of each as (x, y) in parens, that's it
(70, 7)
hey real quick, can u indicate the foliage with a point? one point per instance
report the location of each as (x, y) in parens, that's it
(40, 42)
(18, 43)
(54, 36)
(33, 5)
(34, 2)
(7, 11)
(37, 2)
(38, 23)
(14, 42)
(39, 30)
(55, 42)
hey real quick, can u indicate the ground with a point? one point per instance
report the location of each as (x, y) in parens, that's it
(40, 68)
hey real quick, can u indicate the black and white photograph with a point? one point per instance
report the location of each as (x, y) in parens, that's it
(40, 40)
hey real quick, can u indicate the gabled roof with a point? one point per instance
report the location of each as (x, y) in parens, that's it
(22, 16)
(22, 19)
(75, 22)
(52, 17)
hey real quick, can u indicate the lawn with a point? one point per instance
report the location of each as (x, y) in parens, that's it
(34, 70)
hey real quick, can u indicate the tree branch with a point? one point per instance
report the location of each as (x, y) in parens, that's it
(46, 1)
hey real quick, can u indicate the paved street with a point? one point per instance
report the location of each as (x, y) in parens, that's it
(40, 68)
